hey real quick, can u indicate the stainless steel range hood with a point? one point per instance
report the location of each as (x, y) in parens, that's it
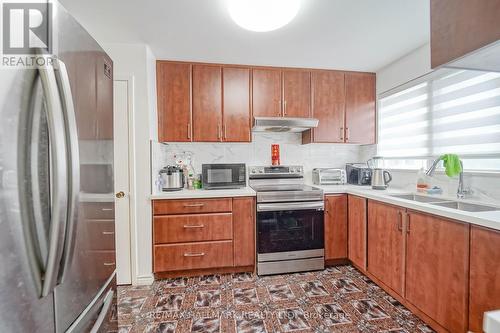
(279, 124)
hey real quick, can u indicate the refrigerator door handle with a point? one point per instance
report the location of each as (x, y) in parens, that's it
(108, 301)
(73, 162)
(59, 189)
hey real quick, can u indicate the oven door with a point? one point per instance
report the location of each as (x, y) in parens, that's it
(287, 227)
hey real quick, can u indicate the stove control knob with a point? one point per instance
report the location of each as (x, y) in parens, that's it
(261, 171)
(253, 171)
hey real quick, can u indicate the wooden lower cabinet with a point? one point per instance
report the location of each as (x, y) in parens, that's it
(386, 244)
(484, 292)
(193, 235)
(437, 269)
(357, 231)
(244, 231)
(192, 227)
(335, 227)
(185, 256)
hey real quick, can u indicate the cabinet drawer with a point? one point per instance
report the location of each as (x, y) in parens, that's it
(98, 210)
(101, 234)
(192, 228)
(193, 256)
(161, 207)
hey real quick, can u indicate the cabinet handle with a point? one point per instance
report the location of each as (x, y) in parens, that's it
(225, 131)
(189, 131)
(193, 226)
(347, 132)
(194, 205)
(284, 108)
(341, 134)
(218, 132)
(107, 233)
(106, 209)
(109, 264)
(194, 254)
(408, 224)
(279, 108)
(400, 221)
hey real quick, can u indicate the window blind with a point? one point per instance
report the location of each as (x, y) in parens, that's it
(449, 111)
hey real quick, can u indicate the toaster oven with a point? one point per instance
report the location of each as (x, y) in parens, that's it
(328, 176)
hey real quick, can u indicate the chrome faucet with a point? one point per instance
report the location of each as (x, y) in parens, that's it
(461, 190)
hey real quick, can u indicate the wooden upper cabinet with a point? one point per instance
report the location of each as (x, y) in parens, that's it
(296, 93)
(207, 103)
(266, 92)
(85, 95)
(484, 292)
(360, 108)
(236, 105)
(437, 269)
(104, 98)
(386, 244)
(328, 93)
(357, 231)
(174, 101)
(244, 231)
(459, 27)
(336, 227)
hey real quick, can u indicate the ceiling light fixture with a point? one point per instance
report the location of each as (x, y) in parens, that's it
(262, 15)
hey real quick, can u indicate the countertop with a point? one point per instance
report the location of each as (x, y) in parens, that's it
(489, 219)
(486, 219)
(197, 194)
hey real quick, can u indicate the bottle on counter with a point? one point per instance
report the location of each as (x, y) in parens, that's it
(422, 181)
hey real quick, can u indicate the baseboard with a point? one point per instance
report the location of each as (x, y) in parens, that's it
(144, 280)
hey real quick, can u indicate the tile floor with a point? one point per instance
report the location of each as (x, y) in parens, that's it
(338, 299)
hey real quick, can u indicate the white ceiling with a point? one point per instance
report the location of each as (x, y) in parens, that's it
(360, 35)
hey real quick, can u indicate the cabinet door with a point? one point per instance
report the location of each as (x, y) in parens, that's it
(297, 93)
(104, 97)
(244, 231)
(357, 231)
(174, 101)
(266, 92)
(459, 27)
(328, 106)
(335, 227)
(437, 268)
(386, 244)
(207, 103)
(484, 275)
(360, 108)
(85, 95)
(237, 122)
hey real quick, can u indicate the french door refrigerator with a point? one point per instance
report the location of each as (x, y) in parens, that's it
(57, 246)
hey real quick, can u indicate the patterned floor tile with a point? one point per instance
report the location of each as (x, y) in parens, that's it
(369, 309)
(293, 320)
(280, 292)
(338, 299)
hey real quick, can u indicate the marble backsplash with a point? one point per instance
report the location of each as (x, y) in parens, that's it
(258, 152)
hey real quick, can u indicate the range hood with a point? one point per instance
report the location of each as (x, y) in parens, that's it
(280, 124)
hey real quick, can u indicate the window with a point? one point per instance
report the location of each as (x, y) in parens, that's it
(448, 111)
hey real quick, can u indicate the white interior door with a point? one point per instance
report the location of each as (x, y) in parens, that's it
(122, 107)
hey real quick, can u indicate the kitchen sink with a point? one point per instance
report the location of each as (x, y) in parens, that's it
(467, 207)
(418, 198)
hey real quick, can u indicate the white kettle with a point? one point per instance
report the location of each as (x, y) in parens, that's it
(380, 179)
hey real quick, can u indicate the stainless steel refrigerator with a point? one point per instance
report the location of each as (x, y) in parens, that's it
(57, 244)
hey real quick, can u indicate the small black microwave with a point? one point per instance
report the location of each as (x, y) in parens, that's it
(224, 176)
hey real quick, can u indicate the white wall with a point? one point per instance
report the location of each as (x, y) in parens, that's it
(407, 68)
(138, 61)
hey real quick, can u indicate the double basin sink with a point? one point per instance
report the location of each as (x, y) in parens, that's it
(459, 205)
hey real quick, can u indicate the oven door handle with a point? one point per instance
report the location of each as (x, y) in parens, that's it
(313, 205)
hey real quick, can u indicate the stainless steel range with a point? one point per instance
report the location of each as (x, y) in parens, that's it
(290, 221)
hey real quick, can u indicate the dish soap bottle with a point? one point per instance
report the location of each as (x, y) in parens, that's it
(422, 184)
